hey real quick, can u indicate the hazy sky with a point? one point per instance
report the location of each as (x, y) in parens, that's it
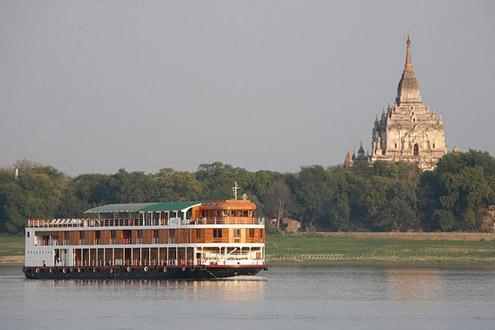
(94, 86)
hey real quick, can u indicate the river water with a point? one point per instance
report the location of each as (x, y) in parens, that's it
(282, 298)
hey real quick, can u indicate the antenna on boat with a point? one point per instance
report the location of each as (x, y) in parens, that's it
(235, 189)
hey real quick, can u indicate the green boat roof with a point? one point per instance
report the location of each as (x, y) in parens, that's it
(143, 207)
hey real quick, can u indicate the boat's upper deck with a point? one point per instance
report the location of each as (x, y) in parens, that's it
(226, 212)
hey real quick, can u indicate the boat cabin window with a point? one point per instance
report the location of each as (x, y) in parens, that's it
(127, 236)
(217, 233)
(251, 232)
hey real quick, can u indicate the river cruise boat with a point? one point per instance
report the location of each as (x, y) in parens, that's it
(168, 240)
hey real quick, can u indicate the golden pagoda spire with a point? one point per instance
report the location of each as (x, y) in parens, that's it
(408, 64)
(408, 89)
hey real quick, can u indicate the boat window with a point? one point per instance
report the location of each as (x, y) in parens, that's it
(251, 232)
(198, 233)
(171, 238)
(237, 233)
(27, 234)
(217, 232)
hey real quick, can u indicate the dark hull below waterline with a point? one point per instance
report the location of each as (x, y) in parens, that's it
(141, 273)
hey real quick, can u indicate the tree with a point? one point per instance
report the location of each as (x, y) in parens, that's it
(314, 190)
(218, 178)
(95, 189)
(134, 187)
(455, 194)
(174, 185)
(35, 193)
(279, 200)
(400, 213)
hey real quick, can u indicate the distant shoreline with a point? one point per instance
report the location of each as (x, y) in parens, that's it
(434, 236)
(350, 249)
(426, 263)
(384, 248)
(11, 260)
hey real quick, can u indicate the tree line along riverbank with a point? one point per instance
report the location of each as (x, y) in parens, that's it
(459, 195)
(350, 248)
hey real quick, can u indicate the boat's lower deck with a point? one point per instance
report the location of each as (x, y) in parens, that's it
(151, 273)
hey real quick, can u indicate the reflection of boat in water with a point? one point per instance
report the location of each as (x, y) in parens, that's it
(248, 288)
(171, 240)
(238, 288)
(414, 283)
(246, 278)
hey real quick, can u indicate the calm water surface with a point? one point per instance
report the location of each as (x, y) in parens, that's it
(287, 298)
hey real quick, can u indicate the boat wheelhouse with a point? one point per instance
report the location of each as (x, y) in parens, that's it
(164, 240)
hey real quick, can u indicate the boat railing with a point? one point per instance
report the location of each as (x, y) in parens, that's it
(49, 242)
(229, 221)
(161, 263)
(70, 223)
